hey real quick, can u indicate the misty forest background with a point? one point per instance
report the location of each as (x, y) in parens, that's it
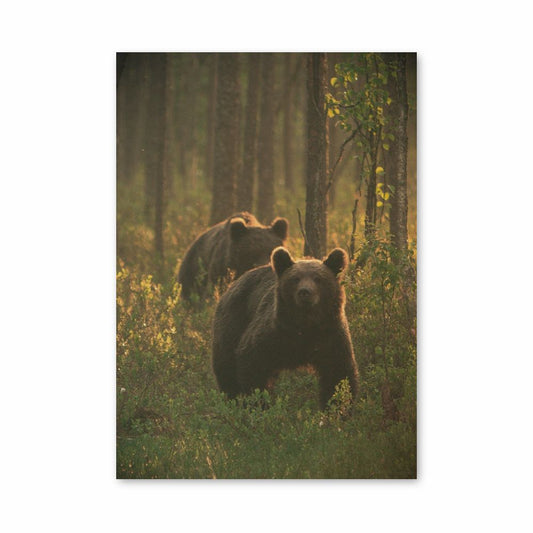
(327, 141)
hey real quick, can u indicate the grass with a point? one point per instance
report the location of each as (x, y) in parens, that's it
(173, 423)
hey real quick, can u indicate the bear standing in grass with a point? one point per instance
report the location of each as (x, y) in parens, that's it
(283, 316)
(238, 243)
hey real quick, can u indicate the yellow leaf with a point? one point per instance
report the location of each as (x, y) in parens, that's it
(331, 113)
(380, 203)
(380, 170)
(334, 81)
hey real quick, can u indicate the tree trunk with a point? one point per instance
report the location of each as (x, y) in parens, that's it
(288, 120)
(316, 216)
(123, 95)
(334, 148)
(399, 220)
(147, 140)
(210, 128)
(227, 137)
(370, 213)
(245, 186)
(170, 130)
(390, 156)
(158, 147)
(155, 166)
(265, 189)
(121, 63)
(129, 109)
(333, 151)
(191, 119)
(140, 76)
(181, 62)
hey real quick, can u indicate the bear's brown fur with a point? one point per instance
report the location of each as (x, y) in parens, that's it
(238, 244)
(283, 316)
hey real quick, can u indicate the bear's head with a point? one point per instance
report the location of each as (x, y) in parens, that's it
(310, 290)
(252, 243)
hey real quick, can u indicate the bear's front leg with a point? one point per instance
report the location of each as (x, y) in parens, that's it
(335, 363)
(255, 367)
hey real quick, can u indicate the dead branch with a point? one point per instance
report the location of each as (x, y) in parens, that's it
(306, 242)
(331, 173)
(354, 223)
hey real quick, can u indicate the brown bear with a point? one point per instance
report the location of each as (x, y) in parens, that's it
(283, 316)
(238, 244)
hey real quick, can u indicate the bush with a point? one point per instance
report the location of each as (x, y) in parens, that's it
(173, 423)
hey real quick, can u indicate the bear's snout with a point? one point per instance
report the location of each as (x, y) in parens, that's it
(306, 294)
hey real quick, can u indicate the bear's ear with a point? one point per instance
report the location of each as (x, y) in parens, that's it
(280, 226)
(337, 261)
(281, 260)
(237, 228)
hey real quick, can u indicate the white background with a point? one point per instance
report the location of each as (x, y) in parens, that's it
(57, 268)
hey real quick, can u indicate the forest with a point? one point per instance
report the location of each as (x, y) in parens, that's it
(325, 140)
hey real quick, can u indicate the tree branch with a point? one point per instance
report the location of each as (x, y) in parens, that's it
(354, 222)
(306, 242)
(331, 173)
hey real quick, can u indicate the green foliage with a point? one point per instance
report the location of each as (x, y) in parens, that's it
(360, 97)
(358, 104)
(381, 304)
(173, 423)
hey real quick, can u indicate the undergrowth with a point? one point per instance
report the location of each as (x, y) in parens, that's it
(173, 423)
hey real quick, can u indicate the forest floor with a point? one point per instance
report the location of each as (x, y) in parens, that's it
(172, 422)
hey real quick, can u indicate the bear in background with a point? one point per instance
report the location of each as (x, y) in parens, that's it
(238, 243)
(283, 316)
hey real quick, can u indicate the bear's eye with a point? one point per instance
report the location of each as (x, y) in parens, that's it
(317, 279)
(295, 279)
